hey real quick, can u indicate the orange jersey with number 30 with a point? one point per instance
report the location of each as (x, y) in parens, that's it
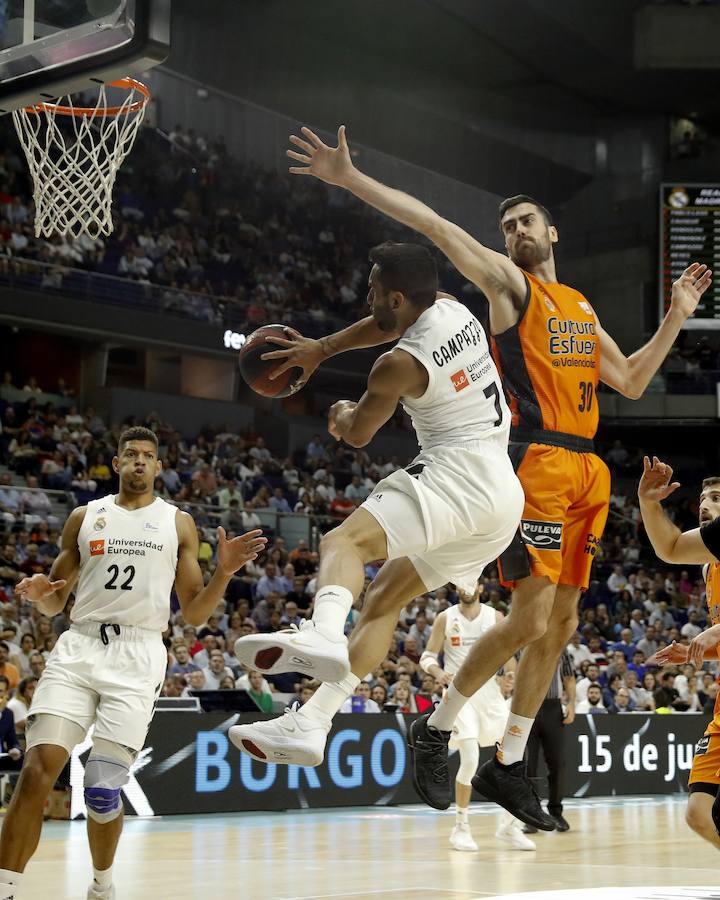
(550, 361)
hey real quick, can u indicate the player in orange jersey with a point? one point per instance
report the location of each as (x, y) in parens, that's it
(701, 545)
(552, 352)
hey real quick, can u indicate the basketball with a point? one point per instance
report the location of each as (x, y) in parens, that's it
(255, 371)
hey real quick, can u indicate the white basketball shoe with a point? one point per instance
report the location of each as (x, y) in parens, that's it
(304, 649)
(511, 833)
(291, 739)
(461, 839)
(94, 893)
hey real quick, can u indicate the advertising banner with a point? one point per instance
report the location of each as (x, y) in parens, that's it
(189, 765)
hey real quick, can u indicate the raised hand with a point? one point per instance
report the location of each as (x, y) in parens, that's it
(297, 352)
(655, 485)
(330, 164)
(689, 288)
(38, 587)
(233, 554)
(672, 654)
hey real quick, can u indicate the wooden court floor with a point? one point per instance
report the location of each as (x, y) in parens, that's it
(385, 854)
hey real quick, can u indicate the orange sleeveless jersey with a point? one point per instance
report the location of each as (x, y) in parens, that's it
(550, 361)
(712, 593)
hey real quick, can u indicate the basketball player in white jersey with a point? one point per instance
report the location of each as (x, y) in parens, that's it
(481, 722)
(444, 518)
(125, 552)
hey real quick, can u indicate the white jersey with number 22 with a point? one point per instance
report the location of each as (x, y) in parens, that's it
(128, 560)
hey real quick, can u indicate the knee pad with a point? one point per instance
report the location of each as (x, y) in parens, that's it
(107, 771)
(469, 759)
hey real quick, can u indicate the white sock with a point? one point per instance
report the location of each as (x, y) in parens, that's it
(508, 821)
(9, 883)
(103, 877)
(332, 605)
(512, 746)
(328, 698)
(461, 815)
(447, 711)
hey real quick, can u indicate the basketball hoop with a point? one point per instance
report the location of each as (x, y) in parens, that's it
(73, 169)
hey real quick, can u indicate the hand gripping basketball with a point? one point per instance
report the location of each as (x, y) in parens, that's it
(38, 587)
(298, 352)
(261, 374)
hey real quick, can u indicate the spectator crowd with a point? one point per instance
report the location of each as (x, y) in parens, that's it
(52, 458)
(201, 235)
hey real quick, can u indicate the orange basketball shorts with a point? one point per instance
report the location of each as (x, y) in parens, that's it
(706, 761)
(567, 496)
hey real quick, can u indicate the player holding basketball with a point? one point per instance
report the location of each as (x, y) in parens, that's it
(552, 352)
(482, 721)
(444, 518)
(125, 552)
(701, 545)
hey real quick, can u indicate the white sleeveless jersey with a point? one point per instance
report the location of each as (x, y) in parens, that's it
(464, 401)
(128, 560)
(461, 633)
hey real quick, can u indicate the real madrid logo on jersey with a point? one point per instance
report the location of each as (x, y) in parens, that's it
(99, 523)
(455, 638)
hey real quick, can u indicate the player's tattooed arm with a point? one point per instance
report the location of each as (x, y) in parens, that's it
(694, 547)
(298, 351)
(495, 274)
(394, 375)
(198, 600)
(50, 592)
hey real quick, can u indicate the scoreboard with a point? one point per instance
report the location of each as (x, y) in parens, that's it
(690, 232)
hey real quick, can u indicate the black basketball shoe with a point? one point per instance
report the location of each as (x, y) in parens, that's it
(429, 754)
(561, 823)
(510, 787)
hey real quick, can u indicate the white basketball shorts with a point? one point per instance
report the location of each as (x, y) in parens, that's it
(483, 718)
(113, 686)
(451, 512)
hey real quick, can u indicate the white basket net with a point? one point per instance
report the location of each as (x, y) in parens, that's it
(74, 153)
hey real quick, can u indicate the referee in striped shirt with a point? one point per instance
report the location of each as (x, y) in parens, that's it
(547, 732)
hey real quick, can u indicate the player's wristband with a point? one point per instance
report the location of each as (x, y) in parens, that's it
(427, 660)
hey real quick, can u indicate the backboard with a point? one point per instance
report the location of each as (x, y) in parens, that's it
(49, 48)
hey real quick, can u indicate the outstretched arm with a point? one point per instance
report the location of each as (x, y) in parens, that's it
(704, 646)
(700, 545)
(50, 593)
(498, 277)
(630, 375)
(307, 353)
